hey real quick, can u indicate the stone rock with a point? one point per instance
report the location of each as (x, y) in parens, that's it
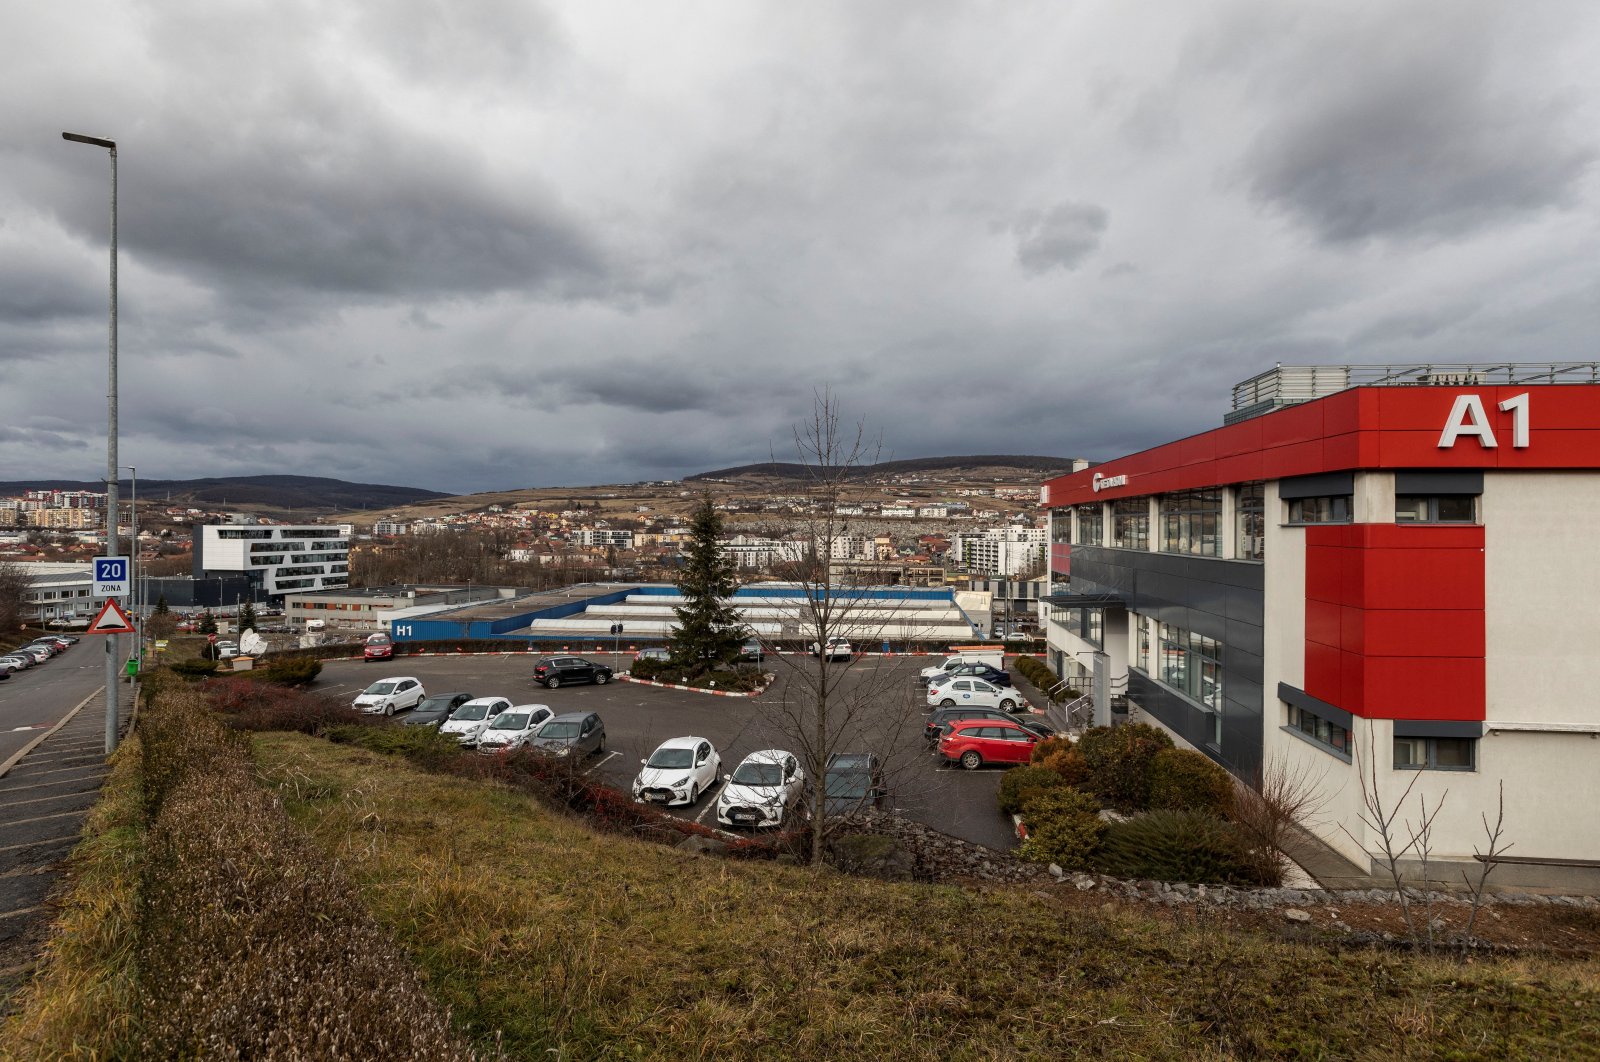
(1083, 882)
(702, 845)
(1294, 914)
(874, 855)
(1056, 871)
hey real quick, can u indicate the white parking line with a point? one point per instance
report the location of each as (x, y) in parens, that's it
(609, 756)
(711, 805)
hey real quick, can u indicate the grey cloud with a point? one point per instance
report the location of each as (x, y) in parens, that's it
(1058, 238)
(1414, 129)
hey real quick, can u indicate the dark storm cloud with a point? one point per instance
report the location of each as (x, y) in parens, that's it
(1422, 125)
(1058, 238)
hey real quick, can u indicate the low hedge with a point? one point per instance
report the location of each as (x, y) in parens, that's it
(251, 943)
(1186, 780)
(1064, 828)
(1170, 845)
(1021, 784)
(741, 679)
(1118, 760)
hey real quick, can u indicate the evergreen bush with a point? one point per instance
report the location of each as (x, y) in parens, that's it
(1119, 759)
(1188, 846)
(1020, 784)
(1182, 779)
(1064, 828)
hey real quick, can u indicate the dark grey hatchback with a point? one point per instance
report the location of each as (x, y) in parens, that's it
(565, 670)
(577, 734)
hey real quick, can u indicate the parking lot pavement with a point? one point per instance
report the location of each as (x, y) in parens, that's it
(638, 718)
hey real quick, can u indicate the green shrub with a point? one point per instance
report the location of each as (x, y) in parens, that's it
(196, 668)
(1064, 828)
(1188, 846)
(1118, 759)
(293, 671)
(1070, 765)
(1048, 747)
(1182, 779)
(1020, 784)
(422, 745)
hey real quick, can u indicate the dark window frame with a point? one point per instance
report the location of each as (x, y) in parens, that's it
(1431, 754)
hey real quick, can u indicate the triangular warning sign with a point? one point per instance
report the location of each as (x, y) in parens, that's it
(112, 620)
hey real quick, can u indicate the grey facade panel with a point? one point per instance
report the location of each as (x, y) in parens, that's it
(1466, 482)
(1436, 728)
(1301, 699)
(1323, 483)
(1220, 599)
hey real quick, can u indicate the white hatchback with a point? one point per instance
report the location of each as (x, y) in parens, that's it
(677, 772)
(973, 693)
(512, 728)
(761, 790)
(390, 695)
(468, 722)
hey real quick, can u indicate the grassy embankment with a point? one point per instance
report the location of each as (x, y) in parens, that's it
(581, 945)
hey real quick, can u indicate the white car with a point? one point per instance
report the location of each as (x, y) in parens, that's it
(974, 693)
(761, 790)
(677, 772)
(469, 721)
(512, 728)
(837, 650)
(387, 696)
(227, 650)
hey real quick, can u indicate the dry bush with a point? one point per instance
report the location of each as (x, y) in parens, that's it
(1273, 811)
(259, 706)
(251, 944)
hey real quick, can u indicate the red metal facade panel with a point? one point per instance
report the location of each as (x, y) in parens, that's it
(1395, 620)
(1061, 558)
(1367, 427)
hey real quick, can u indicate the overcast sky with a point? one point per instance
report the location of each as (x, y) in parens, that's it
(496, 244)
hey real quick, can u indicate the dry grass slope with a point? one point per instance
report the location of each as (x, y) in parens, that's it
(581, 945)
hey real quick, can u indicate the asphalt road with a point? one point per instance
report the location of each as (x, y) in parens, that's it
(885, 705)
(38, 698)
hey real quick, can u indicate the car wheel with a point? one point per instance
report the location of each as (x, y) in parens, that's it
(388, 708)
(602, 749)
(947, 703)
(1008, 706)
(601, 678)
(552, 682)
(971, 760)
(694, 794)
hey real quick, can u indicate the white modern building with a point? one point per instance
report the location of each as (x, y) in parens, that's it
(1001, 550)
(278, 559)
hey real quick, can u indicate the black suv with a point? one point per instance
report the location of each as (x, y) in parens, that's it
(576, 734)
(565, 670)
(939, 723)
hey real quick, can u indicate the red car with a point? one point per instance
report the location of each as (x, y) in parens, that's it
(975, 742)
(378, 647)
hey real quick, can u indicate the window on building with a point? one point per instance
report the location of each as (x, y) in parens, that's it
(1322, 731)
(1061, 526)
(1130, 523)
(1091, 526)
(1141, 627)
(1094, 623)
(1435, 509)
(1323, 509)
(1191, 664)
(1434, 753)
(1250, 522)
(1191, 522)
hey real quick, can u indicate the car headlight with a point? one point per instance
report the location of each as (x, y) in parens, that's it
(564, 750)
(773, 799)
(680, 783)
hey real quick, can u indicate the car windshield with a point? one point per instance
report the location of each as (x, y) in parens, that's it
(378, 639)
(435, 704)
(847, 784)
(672, 758)
(381, 687)
(559, 730)
(470, 712)
(510, 721)
(758, 774)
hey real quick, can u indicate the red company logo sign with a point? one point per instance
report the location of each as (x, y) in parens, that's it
(1103, 482)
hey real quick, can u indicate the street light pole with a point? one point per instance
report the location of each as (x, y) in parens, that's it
(111, 436)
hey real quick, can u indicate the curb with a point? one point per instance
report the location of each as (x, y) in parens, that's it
(16, 757)
(690, 689)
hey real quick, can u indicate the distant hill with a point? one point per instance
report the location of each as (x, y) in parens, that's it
(973, 465)
(243, 492)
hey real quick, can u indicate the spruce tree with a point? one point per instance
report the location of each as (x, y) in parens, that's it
(207, 624)
(709, 631)
(247, 616)
(162, 608)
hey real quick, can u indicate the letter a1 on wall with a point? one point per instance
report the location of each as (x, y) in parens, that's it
(111, 620)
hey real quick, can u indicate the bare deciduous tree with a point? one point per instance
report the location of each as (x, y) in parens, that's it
(1385, 822)
(829, 706)
(1275, 809)
(13, 591)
